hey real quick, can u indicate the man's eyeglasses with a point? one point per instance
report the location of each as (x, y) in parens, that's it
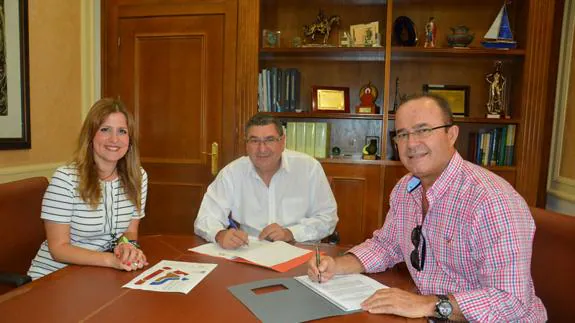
(420, 133)
(267, 141)
(416, 238)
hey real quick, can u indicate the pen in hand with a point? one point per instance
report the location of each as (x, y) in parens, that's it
(317, 261)
(233, 225)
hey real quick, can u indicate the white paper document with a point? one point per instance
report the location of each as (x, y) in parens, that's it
(260, 252)
(345, 291)
(171, 276)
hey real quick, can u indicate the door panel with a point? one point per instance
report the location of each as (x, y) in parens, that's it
(174, 68)
(392, 175)
(351, 215)
(357, 192)
(178, 105)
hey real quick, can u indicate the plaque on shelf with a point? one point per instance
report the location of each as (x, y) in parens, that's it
(367, 96)
(456, 95)
(330, 99)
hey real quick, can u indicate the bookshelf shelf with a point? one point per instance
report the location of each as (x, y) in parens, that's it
(477, 120)
(486, 120)
(324, 53)
(398, 52)
(359, 161)
(501, 168)
(387, 162)
(324, 115)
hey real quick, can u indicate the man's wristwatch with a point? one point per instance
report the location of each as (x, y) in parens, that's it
(443, 307)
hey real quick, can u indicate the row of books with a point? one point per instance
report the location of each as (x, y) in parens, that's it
(278, 90)
(312, 138)
(493, 147)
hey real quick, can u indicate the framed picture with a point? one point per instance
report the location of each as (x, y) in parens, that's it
(365, 35)
(456, 95)
(14, 82)
(330, 99)
(271, 38)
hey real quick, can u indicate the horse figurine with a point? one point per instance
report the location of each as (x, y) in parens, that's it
(321, 26)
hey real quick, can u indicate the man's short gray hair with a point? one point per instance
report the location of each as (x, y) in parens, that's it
(260, 119)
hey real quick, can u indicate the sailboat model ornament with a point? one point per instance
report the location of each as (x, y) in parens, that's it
(499, 35)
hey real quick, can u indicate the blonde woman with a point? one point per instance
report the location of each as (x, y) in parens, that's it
(93, 205)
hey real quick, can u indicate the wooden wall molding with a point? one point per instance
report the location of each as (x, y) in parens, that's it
(90, 54)
(557, 185)
(8, 174)
(538, 60)
(247, 63)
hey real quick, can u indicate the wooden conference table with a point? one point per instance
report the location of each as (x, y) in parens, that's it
(93, 294)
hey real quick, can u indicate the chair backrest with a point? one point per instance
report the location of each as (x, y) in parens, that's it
(21, 228)
(553, 263)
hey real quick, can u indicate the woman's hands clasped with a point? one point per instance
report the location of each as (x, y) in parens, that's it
(128, 257)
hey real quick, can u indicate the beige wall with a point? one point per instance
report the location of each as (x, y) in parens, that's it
(561, 179)
(55, 88)
(567, 164)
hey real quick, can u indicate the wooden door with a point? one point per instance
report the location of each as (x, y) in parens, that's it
(174, 66)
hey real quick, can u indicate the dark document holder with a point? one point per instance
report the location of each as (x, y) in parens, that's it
(296, 303)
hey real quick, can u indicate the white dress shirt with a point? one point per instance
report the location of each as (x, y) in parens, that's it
(298, 198)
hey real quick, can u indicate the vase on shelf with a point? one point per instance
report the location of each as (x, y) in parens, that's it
(460, 37)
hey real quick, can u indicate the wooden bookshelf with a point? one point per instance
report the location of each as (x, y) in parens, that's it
(529, 71)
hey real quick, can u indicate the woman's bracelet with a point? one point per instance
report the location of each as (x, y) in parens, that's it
(124, 239)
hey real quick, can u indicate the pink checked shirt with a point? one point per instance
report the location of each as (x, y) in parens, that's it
(479, 236)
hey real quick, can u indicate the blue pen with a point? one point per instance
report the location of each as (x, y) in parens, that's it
(233, 224)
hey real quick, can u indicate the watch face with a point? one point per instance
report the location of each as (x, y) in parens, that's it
(444, 308)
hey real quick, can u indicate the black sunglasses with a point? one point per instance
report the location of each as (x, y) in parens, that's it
(416, 237)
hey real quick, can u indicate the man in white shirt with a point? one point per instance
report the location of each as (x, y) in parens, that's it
(273, 193)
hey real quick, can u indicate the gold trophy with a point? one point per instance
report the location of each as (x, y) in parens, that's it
(497, 93)
(367, 96)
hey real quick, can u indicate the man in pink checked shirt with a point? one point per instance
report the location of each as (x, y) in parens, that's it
(465, 234)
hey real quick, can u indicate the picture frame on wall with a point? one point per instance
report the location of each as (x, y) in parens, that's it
(456, 95)
(14, 76)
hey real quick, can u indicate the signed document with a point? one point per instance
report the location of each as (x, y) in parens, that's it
(345, 291)
(278, 255)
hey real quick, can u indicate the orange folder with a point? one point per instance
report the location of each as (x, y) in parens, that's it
(284, 266)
